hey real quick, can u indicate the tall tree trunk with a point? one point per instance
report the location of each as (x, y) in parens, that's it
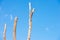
(30, 21)
(14, 29)
(4, 33)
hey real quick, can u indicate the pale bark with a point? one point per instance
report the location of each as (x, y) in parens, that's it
(30, 21)
(14, 29)
(4, 33)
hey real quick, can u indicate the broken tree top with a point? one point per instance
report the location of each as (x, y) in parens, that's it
(30, 7)
(5, 26)
(16, 18)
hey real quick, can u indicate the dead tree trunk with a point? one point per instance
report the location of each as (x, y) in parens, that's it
(14, 29)
(30, 21)
(4, 33)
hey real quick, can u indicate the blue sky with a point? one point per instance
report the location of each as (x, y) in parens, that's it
(46, 19)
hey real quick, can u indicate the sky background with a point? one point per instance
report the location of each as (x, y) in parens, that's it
(45, 21)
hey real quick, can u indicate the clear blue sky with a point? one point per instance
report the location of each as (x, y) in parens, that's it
(46, 19)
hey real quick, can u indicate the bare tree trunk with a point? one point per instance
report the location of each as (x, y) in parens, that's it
(14, 29)
(4, 33)
(30, 21)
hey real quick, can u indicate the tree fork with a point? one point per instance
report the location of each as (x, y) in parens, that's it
(31, 11)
